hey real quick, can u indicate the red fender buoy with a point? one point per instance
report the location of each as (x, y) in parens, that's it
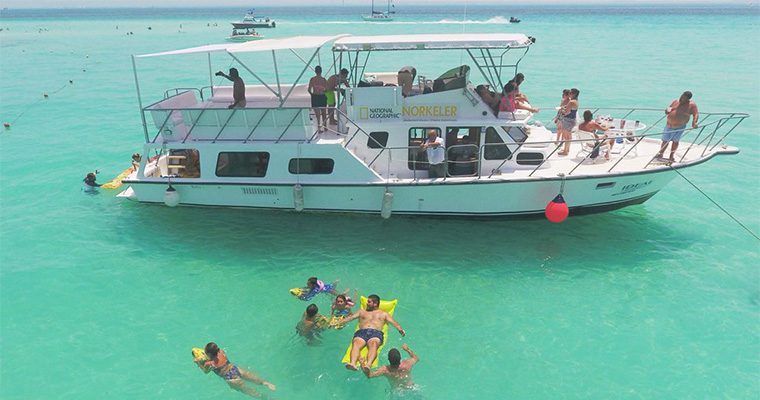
(557, 211)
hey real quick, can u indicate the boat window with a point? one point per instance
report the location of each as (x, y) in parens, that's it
(494, 147)
(321, 166)
(251, 164)
(529, 158)
(184, 163)
(377, 140)
(417, 158)
(516, 133)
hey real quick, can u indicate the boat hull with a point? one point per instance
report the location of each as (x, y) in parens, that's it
(377, 19)
(243, 38)
(475, 199)
(246, 25)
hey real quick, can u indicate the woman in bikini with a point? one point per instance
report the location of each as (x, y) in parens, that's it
(567, 120)
(232, 374)
(317, 85)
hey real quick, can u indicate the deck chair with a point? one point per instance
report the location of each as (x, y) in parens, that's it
(591, 147)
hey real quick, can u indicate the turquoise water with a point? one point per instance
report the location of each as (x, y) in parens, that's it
(104, 298)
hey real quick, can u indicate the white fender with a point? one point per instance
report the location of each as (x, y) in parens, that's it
(298, 197)
(385, 210)
(171, 197)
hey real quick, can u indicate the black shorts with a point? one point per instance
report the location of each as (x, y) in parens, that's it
(318, 100)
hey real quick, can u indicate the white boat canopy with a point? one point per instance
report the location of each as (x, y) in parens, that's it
(288, 43)
(433, 42)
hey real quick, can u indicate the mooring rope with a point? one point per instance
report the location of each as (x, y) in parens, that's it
(716, 203)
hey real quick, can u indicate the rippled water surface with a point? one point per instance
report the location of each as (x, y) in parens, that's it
(104, 298)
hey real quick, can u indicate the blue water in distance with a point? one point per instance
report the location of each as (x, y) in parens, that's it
(101, 297)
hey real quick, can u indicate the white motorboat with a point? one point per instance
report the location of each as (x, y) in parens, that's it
(380, 16)
(272, 155)
(250, 21)
(243, 35)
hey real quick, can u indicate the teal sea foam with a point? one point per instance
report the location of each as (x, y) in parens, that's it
(104, 298)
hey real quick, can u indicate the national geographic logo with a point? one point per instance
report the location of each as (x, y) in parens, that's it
(378, 113)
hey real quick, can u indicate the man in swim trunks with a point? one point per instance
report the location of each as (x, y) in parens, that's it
(370, 331)
(232, 374)
(678, 114)
(333, 84)
(238, 88)
(399, 372)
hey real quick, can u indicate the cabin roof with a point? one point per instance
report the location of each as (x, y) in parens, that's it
(432, 42)
(295, 42)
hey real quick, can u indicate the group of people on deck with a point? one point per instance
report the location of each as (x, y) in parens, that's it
(370, 335)
(509, 100)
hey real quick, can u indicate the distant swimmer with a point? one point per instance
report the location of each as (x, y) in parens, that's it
(370, 333)
(232, 374)
(399, 373)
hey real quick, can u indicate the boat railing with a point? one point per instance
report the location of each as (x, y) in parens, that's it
(707, 136)
(242, 124)
(176, 91)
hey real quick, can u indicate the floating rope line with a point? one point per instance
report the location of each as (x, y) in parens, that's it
(35, 103)
(716, 204)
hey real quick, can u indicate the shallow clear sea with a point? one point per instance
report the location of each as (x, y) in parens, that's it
(103, 298)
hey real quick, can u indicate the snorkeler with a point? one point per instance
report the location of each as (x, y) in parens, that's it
(232, 374)
(398, 372)
(89, 180)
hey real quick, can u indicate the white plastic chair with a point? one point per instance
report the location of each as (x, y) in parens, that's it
(588, 144)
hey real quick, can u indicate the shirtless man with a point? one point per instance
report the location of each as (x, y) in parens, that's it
(370, 331)
(398, 373)
(238, 88)
(678, 114)
(333, 84)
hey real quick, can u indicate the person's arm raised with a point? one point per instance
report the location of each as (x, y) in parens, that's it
(411, 353)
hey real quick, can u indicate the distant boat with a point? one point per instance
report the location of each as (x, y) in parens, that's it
(380, 16)
(250, 21)
(243, 35)
(513, 20)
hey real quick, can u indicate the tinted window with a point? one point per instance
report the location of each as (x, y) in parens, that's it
(242, 164)
(494, 149)
(529, 158)
(377, 140)
(517, 134)
(311, 166)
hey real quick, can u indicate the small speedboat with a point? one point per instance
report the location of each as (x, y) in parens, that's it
(513, 20)
(243, 35)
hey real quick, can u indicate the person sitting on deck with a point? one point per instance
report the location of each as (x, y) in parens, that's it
(238, 88)
(508, 102)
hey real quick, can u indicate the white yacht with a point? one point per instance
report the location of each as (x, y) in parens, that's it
(273, 155)
(250, 21)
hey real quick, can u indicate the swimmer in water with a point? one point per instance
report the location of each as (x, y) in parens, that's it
(398, 372)
(232, 374)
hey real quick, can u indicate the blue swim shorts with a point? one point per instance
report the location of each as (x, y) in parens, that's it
(368, 334)
(672, 134)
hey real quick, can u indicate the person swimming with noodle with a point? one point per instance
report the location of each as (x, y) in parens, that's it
(232, 374)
